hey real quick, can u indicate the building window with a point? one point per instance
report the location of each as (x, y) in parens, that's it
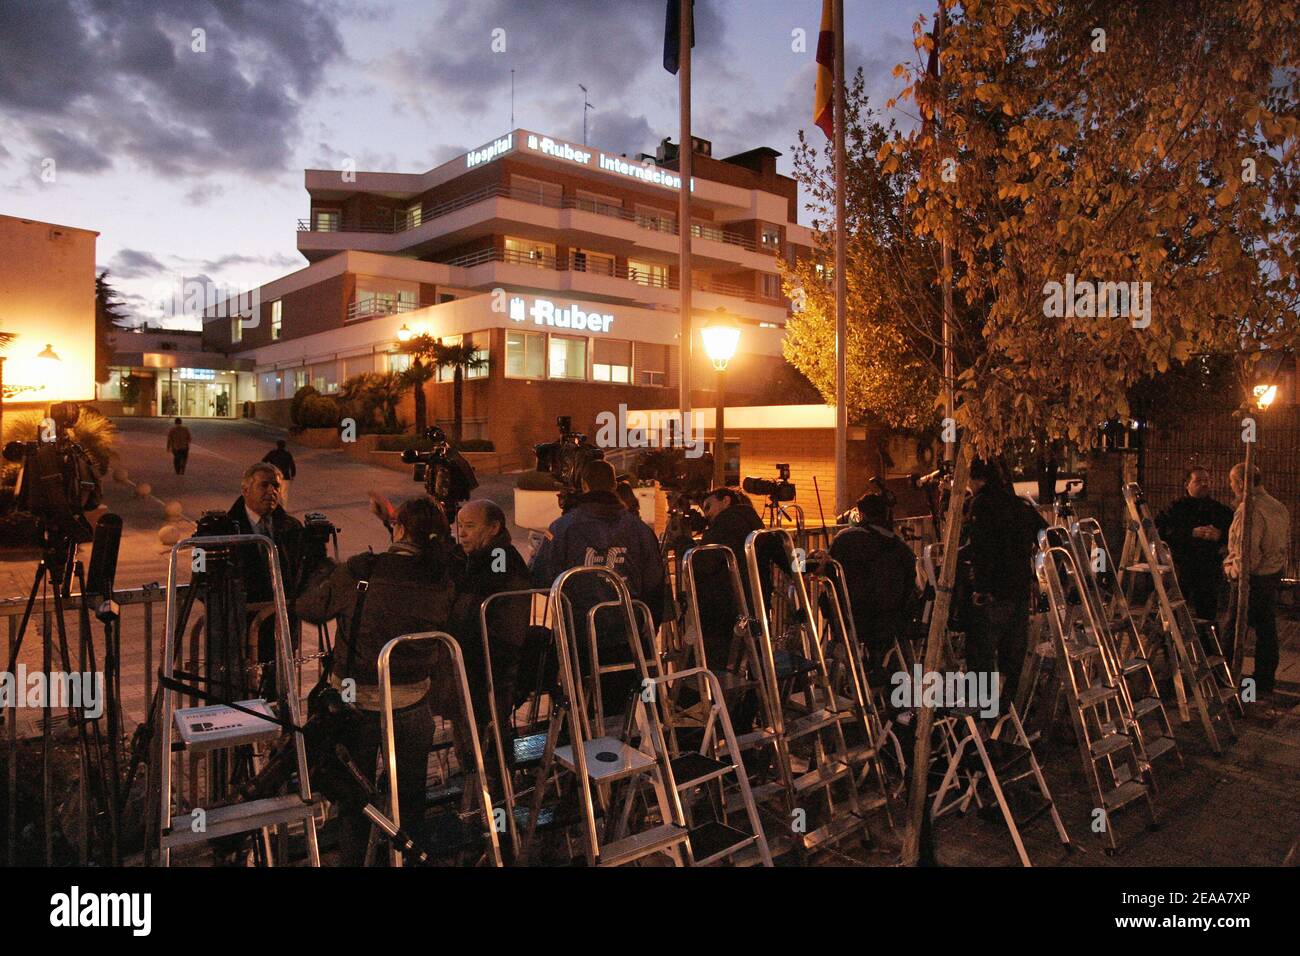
(414, 215)
(325, 220)
(525, 353)
(480, 341)
(528, 252)
(236, 328)
(277, 314)
(611, 361)
(601, 205)
(584, 260)
(771, 237)
(649, 217)
(398, 362)
(651, 364)
(771, 286)
(568, 357)
(536, 191)
(648, 273)
(299, 378)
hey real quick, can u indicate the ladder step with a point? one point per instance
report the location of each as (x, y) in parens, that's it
(789, 664)
(731, 682)
(1096, 695)
(712, 841)
(821, 777)
(526, 751)
(1159, 746)
(654, 840)
(750, 740)
(1123, 795)
(860, 753)
(1111, 743)
(1214, 660)
(1003, 755)
(607, 758)
(840, 827)
(238, 818)
(693, 769)
(1146, 705)
(1078, 651)
(815, 721)
(1134, 665)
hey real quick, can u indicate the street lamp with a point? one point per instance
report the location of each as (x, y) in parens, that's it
(1265, 395)
(404, 333)
(721, 335)
(47, 366)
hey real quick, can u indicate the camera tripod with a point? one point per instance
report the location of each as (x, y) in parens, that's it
(98, 782)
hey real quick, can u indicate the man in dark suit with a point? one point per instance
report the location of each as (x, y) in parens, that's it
(1196, 529)
(257, 511)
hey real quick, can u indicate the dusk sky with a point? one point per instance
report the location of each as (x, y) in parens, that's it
(190, 164)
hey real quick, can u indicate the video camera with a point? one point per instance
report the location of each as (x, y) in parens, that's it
(565, 458)
(445, 473)
(676, 472)
(56, 482)
(777, 489)
(933, 478)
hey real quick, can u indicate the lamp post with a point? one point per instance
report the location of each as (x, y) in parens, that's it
(48, 366)
(721, 335)
(1263, 396)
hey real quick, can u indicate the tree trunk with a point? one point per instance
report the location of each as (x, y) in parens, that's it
(918, 802)
(421, 416)
(457, 399)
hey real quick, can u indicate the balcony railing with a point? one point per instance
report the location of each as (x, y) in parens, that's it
(406, 220)
(576, 263)
(372, 306)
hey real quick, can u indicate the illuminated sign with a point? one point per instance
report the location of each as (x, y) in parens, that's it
(477, 157)
(605, 162)
(197, 374)
(546, 312)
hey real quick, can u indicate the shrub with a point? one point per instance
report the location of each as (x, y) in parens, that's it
(295, 405)
(317, 411)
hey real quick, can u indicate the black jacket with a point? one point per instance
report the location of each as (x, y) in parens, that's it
(1195, 558)
(406, 593)
(286, 532)
(281, 458)
(1000, 536)
(490, 570)
(713, 590)
(599, 530)
(880, 573)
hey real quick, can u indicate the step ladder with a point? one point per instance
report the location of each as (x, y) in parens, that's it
(849, 673)
(1120, 635)
(594, 688)
(205, 824)
(465, 828)
(604, 763)
(1202, 671)
(1002, 756)
(1104, 727)
(809, 717)
(707, 768)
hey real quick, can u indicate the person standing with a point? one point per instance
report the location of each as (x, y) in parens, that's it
(178, 443)
(282, 459)
(1270, 531)
(1196, 529)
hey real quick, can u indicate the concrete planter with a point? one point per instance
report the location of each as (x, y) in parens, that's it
(319, 438)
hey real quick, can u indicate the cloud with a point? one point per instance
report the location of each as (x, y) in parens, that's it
(88, 80)
(134, 264)
(618, 132)
(202, 193)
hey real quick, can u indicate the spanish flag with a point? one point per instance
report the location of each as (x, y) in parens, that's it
(824, 100)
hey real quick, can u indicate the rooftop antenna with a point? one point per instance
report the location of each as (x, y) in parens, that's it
(512, 99)
(585, 106)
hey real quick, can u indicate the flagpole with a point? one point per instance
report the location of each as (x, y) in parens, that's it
(841, 279)
(685, 32)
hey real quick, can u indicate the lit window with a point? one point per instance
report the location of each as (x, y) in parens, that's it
(325, 220)
(611, 361)
(568, 357)
(525, 355)
(399, 362)
(276, 315)
(771, 237)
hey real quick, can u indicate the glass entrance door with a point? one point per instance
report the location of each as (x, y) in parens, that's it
(204, 399)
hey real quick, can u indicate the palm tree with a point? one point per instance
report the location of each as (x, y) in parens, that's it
(461, 358)
(386, 389)
(421, 349)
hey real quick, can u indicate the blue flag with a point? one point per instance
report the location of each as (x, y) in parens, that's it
(673, 34)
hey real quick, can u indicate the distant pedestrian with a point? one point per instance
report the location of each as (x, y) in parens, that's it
(280, 457)
(178, 443)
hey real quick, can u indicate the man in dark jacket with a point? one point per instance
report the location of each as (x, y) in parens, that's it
(280, 457)
(492, 565)
(599, 530)
(731, 519)
(1000, 536)
(1196, 529)
(880, 574)
(407, 589)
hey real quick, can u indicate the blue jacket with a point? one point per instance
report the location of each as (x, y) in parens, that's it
(599, 530)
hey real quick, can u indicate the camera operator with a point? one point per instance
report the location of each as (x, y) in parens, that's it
(406, 589)
(599, 530)
(880, 575)
(1000, 535)
(731, 518)
(492, 565)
